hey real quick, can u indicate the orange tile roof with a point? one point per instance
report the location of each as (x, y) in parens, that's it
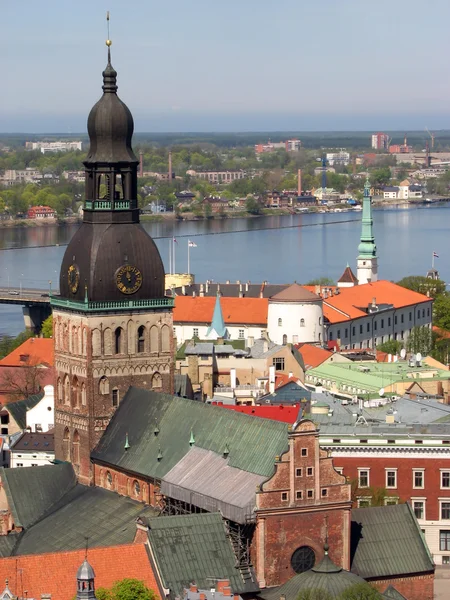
(312, 355)
(55, 573)
(348, 304)
(251, 311)
(39, 350)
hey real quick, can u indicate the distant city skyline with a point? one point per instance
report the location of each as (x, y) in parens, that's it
(235, 66)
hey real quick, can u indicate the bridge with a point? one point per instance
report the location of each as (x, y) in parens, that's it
(35, 303)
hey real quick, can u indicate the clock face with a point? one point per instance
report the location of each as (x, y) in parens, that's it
(73, 278)
(128, 279)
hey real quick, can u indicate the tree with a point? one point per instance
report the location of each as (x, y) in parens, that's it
(21, 382)
(314, 594)
(391, 346)
(207, 210)
(252, 206)
(132, 589)
(419, 340)
(381, 176)
(423, 285)
(321, 281)
(441, 311)
(360, 591)
(47, 327)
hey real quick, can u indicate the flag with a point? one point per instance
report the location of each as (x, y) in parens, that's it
(192, 244)
(435, 255)
(175, 241)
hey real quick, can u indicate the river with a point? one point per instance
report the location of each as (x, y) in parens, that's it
(278, 249)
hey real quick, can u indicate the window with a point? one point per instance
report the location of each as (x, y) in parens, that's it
(310, 493)
(402, 318)
(115, 398)
(338, 334)
(302, 322)
(353, 330)
(280, 322)
(423, 313)
(382, 323)
(19, 464)
(241, 334)
(428, 312)
(410, 315)
(324, 492)
(418, 479)
(419, 509)
(310, 471)
(363, 478)
(76, 447)
(390, 501)
(284, 496)
(195, 332)
(284, 339)
(303, 559)
(109, 480)
(118, 338)
(395, 320)
(346, 333)
(298, 472)
(445, 479)
(391, 479)
(444, 539)
(364, 502)
(141, 339)
(298, 495)
(304, 451)
(375, 325)
(278, 363)
(136, 488)
(368, 328)
(339, 470)
(445, 510)
(389, 321)
(360, 329)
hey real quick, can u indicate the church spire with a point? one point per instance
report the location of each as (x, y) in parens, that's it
(367, 250)
(217, 328)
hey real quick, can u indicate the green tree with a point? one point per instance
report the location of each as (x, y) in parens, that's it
(207, 210)
(441, 311)
(314, 594)
(47, 327)
(252, 206)
(420, 340)
(102, 593)
(360, 591)
(132, 589)
(391, 346)
(423, 285)
(321, 281)
(381, 176)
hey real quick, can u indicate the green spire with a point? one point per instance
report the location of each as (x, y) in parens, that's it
(217, 328)
(226, 452)
(367, 247)
(159, 457)
(192, 439)
(127, 443)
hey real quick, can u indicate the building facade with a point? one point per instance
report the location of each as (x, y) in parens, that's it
(112, 322)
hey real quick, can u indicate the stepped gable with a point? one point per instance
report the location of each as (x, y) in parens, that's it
(295, 293)
(253, 443)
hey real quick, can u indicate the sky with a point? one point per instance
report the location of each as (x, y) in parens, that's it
(239, 65)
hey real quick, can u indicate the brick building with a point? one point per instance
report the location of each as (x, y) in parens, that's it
(112, 321)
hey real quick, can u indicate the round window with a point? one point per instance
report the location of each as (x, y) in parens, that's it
(303, 559)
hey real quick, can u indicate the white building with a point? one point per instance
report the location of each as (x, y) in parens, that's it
(295, 316)
(59, 146)
(32, 450)
(41, 417)
(338, 158)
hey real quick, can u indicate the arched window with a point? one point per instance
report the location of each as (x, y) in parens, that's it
(128, 487)
(136, 488)
(103, 385)
(141, 339)
(115, 397)
(107, 341)
(156, 381)
(165, 339)
(66, 390)
(76, 447)
(109, 480)
(66, 447)
(118, 341)
(154, 339)
(284, 340)
(74, 340)
(84, 346)
(280, 322)
(83, 394)
(96, 342)
(75, 393)
(302, 322)
(59, 392)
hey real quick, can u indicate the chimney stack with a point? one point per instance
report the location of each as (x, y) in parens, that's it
(202, 292)
(141, 164)
(271, 379)
(299, 182)
(170, 165)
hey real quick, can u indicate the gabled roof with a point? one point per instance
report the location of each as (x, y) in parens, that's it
(295, 293)
(313, 356)
(253, 443)
(348, 276)
(34, 351)
(194, 548)
(34, 442)
(18, 410)
(34, 491)
(289, 393)
(250, 311)
(379, 539)
(55, 573)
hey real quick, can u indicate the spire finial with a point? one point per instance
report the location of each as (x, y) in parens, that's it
(108, 40)
(127, 443)
(86, 548)
(109, 74)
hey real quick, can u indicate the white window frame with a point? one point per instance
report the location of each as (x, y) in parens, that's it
(424, 504)
(418, 487)
(441, 502)
(442, 471)
(391, 470)
(390, 500)
(359, 478)
(364, 501)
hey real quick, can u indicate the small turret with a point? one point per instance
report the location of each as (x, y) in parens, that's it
(85, 582)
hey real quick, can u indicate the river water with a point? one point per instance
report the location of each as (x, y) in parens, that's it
(279, 249)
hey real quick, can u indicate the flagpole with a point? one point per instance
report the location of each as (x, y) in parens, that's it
(170, 257)
(174, 268)
(432, 260)
(189, 248)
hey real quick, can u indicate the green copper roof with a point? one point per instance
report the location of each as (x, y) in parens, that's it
(217, 323)
(253, 442)
(194, 548)
(367, 247)
(18, 410)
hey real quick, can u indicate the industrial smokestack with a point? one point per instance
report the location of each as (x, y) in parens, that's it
(170, 165)
(299, 182)
(141, 164)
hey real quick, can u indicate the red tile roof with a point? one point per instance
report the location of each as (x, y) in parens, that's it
(55, 573)
(251, 311)
(348, 276)
(34, 351)
(285, 414)
(350, 302)
(312, 355)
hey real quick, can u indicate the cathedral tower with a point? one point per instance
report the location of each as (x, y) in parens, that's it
(367, 251)
(112, 322)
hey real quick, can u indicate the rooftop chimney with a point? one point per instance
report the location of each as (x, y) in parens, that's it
(299, 182)
(374, 302)
(246, 286)
(202, 291)
(207, 286)
(271, 379)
